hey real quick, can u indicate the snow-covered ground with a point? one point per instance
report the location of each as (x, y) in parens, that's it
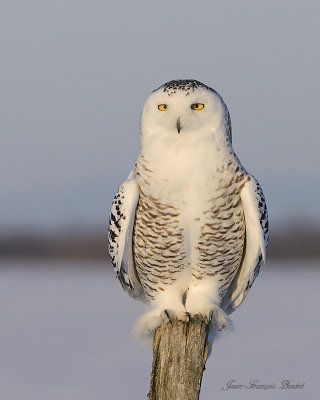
(65, 333)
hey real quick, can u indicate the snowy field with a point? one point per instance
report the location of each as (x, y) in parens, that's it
(65, 334)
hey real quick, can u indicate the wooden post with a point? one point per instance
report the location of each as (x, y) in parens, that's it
(180, 351)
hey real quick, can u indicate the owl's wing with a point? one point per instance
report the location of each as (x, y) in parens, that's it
(256, 242)
(120, 237)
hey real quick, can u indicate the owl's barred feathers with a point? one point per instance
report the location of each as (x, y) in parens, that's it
(189, 227)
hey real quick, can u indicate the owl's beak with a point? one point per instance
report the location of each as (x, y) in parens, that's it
(178, 125)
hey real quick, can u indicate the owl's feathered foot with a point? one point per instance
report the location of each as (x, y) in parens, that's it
(203, 298)
(149, 322)
(214, 314)
(170, 315)
(219, 318)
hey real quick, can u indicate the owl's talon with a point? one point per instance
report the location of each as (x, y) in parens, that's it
(188, 315)
(210, 316)
(167, 316)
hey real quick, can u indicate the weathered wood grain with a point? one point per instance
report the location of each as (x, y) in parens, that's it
(180, 351)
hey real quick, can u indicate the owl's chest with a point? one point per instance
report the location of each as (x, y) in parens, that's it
(195, 219)
(188, 205)
(186, 180)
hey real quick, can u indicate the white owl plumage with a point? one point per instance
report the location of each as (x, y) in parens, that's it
(188, 229)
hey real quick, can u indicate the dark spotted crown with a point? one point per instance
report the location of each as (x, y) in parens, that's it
(185, 85)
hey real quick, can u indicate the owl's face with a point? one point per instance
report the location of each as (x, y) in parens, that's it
(180, 109)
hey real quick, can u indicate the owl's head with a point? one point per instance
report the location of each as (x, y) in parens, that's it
(182, 108)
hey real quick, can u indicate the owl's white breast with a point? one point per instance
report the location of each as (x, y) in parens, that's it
(184, 166)
(182, 171)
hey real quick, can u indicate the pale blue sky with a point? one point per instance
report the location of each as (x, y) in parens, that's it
(74, 75)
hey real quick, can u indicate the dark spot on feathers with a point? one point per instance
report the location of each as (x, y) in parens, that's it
(186, 85)
(113, 236)
(113, 218)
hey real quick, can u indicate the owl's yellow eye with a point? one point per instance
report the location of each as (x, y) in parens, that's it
(197, 106)
(163, 107)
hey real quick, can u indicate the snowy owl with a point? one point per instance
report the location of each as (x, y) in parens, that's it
(188, 229)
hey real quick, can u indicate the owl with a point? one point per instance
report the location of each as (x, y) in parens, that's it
(188, 229)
